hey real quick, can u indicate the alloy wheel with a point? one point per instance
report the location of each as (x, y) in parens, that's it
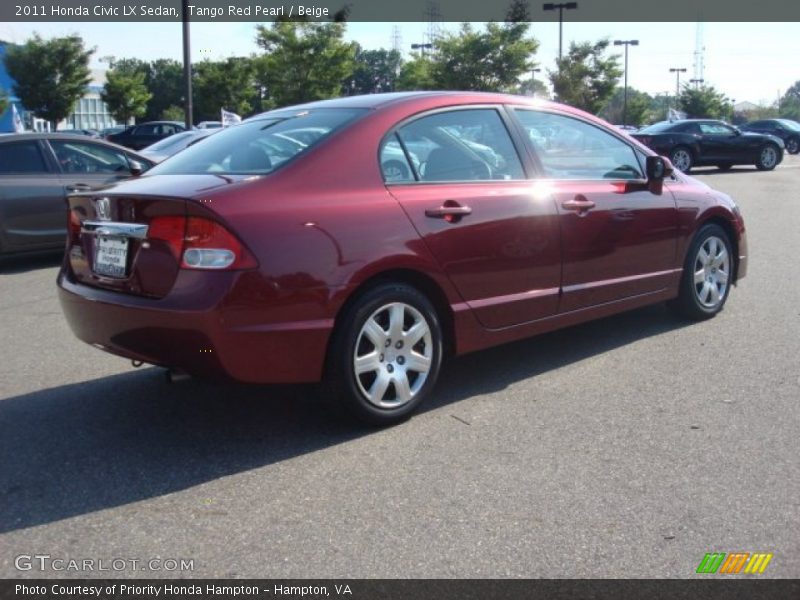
(682, 160)
(711, 272)
(769, 157)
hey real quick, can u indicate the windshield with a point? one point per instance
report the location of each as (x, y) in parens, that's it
(658, 127)
(259, 146)
(789, 124)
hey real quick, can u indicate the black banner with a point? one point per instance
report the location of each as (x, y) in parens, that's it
(395, 11)
(383, 589)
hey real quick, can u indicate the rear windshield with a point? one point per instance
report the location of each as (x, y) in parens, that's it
(258, 146)
(658, 127)
(789, 124)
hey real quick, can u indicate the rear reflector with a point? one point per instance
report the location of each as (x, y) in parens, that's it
(200, 243)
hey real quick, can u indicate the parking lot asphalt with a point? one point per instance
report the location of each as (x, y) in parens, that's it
(626, 447)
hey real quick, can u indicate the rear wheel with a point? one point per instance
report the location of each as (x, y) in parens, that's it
(767, 158)
(707, 274)
(386, 355)
(682, 159)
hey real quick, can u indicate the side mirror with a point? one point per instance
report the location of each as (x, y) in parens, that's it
(658, 168)
(136, 167)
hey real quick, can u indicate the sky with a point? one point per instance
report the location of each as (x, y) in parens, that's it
(752, 62)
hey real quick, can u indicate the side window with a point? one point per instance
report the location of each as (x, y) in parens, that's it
(394, 164)
(688, 128)
(145, 130)
(568, 148)
(461, 145)
(22, 157)
(716, 129)
(82, 157)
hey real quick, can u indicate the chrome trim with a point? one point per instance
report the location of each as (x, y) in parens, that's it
(130, 230)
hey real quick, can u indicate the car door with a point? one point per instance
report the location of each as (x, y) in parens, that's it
(465, 190)
(32, 210)
(720, 142)
(618, 238)
(88, 165)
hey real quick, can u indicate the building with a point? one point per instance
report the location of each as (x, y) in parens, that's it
(90, 112)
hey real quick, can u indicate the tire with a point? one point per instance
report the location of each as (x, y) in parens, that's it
(385, 389)
(793, 145)
(682, 158)
(725, 166)
(707, 274)
(767, 157)
(395, 171)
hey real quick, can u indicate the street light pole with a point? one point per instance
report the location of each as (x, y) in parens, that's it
(187, 69)
(422, 47)
(533, 81)
(625, 43)
(677, 72)
(560, 7)
(697, 82)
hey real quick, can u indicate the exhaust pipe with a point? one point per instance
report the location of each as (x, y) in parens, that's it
(175, 376)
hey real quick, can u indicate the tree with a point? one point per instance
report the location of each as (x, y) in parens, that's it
(586, 78)
(494, 59)
(533, 87)
(374, 71)
(789, 107)
(126, 95)
(50, 75)
(304, 61)
(416, 74)
(228, 84)
(639, 107)
(705, 102)
(3, 101)
(172, 113)
(163, 78)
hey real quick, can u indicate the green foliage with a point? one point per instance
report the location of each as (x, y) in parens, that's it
(374, 71)
(639, 108)
(533, 87)
(705, 102)
(790, 103)
(303, 61)
(51, 75)
(3, 101)
(172, 113)
(416, 74)
(586, 77)
(494, 59)
(228, 84)
(163, 78)
(125, 94)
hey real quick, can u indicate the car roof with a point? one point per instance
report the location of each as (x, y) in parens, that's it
(377, 101)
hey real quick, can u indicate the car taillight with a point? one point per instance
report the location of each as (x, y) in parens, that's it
(200, 243)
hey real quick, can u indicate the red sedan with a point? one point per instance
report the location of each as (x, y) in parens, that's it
(360, 240)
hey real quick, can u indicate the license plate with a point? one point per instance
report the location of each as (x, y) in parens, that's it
(111, 256)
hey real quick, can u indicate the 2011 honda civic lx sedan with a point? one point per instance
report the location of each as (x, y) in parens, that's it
(360, 240)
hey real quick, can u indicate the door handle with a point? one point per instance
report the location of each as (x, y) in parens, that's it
(451, 211)
(579, 204)
(79, 187)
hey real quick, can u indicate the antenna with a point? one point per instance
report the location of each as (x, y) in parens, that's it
(434, 18)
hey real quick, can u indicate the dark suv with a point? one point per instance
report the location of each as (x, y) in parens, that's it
(144, 134)
(786, 129)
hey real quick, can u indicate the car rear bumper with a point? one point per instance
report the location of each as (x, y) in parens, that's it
(200, 329)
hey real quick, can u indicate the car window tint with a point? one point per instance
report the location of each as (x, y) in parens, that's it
(715, 129)
(82, 157)
(145, 130)
(687, 128)
(22, 157)
(261, 145)
(462, 145)
(568, 148)
(394, 164)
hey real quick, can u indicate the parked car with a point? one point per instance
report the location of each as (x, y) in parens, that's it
(104, 133)
(704, 142)
(140, 136)
(231, 260)
(786, 129)
(175, 143)
(39, 170)
(209, 125)
(92, 133)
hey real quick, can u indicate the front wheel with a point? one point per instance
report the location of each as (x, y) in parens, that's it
(793, 145)
(682, 159)
(707, 274)
(386, 354)
(767, 158)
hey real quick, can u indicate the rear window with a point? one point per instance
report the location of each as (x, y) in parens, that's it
(259, 146)
(658, 127)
